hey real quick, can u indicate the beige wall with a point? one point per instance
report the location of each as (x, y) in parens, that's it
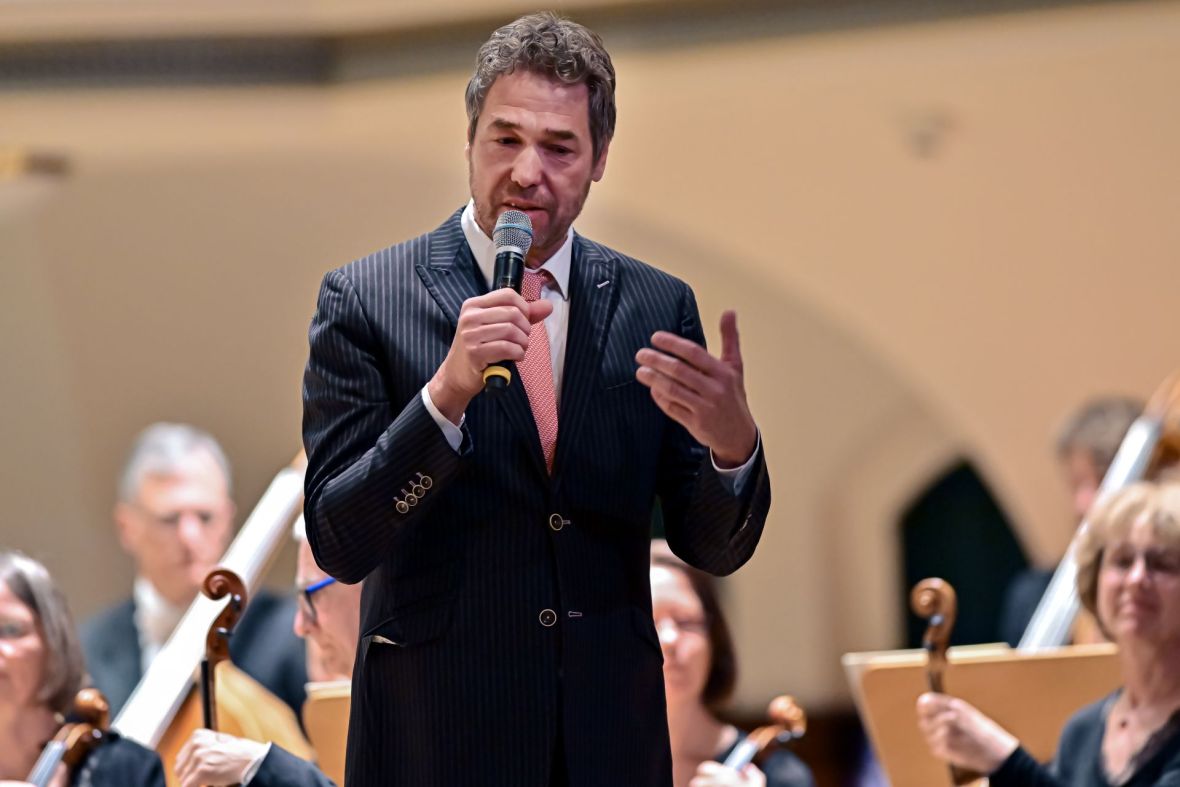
(939, 237)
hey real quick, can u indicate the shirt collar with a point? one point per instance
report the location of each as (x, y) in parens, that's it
(154, 616)
(484, 252)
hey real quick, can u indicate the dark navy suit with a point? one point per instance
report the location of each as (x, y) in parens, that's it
(506, 617)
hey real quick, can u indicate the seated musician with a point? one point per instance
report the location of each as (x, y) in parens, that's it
(41, 671)
(1085, 447)
(175, 518)
(700, 672)
(1129, 578)
(328, 620)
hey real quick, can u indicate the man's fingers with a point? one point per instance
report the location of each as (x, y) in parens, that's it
(731, 350)
(669, 388)
(539, 310)
(670, 366)
(685, 349)
(491, 352)
(501, 331)
(496, 315)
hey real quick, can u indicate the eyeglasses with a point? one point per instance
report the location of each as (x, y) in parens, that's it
(306, 603)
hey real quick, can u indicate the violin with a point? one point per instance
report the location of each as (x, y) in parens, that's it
(934, 599)
(788, 723)
(74, 741)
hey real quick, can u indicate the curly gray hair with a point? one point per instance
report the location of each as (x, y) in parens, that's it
(557, 47)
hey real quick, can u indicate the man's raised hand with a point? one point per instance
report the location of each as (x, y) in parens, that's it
(704, 394)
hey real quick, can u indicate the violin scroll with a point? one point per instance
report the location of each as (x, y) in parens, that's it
(220, 582)
(786, 713)
(934, 599)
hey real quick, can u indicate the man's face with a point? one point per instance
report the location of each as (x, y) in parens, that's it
(1083, 475)
(178, 526)
(332, 631)
(532, 151)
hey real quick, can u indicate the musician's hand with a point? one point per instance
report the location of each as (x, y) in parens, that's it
(61, 778)
(215, 759)
(492, 327)
(714, 774)
(706, 395)
(960, 734)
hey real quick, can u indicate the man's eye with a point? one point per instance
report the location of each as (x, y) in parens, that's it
(560, 150)
(506, 141)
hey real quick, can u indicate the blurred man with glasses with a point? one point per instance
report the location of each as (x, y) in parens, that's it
(328, 620)
(174, 517)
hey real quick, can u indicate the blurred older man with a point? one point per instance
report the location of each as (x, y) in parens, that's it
(175, 518)
(329, 623)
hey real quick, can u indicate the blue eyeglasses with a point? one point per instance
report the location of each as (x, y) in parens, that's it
(306, 603)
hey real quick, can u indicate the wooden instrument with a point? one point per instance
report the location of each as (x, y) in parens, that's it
(934, 599)
(220, 583)
(788, 723)
(1152, 442)
(163, 710)
(74, 741)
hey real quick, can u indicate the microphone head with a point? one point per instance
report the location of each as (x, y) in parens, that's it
(514, 229)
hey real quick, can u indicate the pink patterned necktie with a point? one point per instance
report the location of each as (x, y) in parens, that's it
(536, 371)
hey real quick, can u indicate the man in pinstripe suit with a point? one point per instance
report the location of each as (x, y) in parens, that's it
(506, 631)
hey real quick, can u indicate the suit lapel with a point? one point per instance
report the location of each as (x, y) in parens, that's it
(451, 276)
(594, 288)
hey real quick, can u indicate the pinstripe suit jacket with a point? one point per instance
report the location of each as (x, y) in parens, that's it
(506, 612)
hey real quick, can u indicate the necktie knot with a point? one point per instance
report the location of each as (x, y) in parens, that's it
(530, 286)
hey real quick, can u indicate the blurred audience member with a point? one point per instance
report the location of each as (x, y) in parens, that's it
(1129, 578)
(175, 518)
(328, 620)
(41, 672)
(1086, 445)
(700, 672)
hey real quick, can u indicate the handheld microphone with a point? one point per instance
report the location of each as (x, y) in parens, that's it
(513, 236)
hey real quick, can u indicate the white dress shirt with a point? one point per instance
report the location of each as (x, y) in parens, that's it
(155, 619)
(556, 325)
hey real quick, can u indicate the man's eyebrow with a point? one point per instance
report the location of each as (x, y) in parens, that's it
(551, 133)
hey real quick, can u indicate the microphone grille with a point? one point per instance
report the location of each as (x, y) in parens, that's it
(514, 228)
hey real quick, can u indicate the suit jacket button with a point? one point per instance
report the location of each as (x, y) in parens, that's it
(402, 506)
(556, 522)
(425, 480)
(547, 617)
(418, 490)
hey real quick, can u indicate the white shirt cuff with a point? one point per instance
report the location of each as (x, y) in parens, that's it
(734, 478)
(252, 769)
(453, 433)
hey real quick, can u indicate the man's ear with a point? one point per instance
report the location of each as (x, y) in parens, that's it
(600, 165)
(126, 527)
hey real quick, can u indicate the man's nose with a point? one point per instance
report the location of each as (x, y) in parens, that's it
(527, 167)
(302, 623)
(192, 530)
